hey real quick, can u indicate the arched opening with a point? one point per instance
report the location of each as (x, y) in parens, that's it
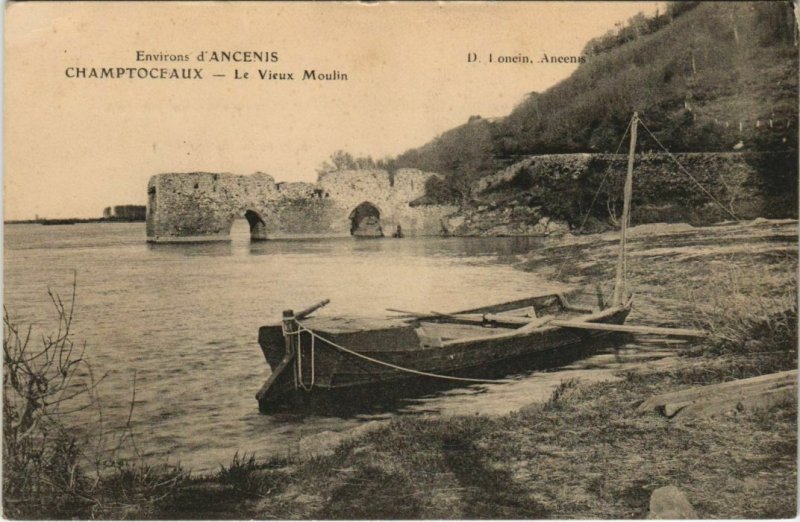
(258, 229)
(365, 221)
(248, 227)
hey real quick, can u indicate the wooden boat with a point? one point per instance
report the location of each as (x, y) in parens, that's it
(313, 356)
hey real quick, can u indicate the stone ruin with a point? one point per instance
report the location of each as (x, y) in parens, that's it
(202, 206)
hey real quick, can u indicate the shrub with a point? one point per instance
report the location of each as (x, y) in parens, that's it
(41, 385)
(246, 477)
(59, 460)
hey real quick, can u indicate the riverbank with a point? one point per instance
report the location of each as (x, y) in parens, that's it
(586, 453)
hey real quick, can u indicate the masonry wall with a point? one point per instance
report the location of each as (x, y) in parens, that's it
(202, 206)
(561, 186)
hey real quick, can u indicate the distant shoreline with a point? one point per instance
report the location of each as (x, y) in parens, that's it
(70, 221)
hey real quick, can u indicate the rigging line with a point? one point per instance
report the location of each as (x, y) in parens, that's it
(597, 193)
(678, 163)
(394, 366)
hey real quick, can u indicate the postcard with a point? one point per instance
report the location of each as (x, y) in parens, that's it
(416, 260)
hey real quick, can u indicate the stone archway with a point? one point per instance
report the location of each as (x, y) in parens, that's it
(258, 229)
(365, 221)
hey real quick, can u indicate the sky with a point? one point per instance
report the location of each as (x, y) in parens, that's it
(76, 145)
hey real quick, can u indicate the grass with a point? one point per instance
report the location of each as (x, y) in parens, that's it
(135, 489)
(746, 316)
(586, 453)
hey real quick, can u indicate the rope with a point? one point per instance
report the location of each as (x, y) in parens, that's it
(597, 193)
(286, 332)
(709, 194)
(303, 328)
(298, 367)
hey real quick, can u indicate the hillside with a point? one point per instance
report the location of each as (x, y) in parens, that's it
(705, 77)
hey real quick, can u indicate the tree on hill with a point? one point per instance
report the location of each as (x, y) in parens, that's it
(462, 154)
(704, 76)
(342, 160)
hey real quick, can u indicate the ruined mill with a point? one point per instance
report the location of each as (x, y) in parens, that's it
(202, 206)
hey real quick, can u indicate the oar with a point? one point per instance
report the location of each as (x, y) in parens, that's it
(580, 325)
(474, 318)
(495, 318)
(583, 325)
(419, 315)
(311, 309)
(406, 312)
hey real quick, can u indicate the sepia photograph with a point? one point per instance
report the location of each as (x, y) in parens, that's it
(400, 260)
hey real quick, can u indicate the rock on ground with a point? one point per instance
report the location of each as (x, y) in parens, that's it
(670, 502)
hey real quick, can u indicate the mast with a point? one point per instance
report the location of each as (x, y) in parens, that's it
(619, 283)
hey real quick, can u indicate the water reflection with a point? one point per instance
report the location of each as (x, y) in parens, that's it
(194, 248)
(507, 250)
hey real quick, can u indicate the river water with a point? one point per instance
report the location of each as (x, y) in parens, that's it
(184, 318)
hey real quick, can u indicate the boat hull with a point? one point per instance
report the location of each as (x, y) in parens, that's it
(324, 368)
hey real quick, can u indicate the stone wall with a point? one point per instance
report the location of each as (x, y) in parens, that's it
(562, 186)
(202, 206)
(539, 195)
